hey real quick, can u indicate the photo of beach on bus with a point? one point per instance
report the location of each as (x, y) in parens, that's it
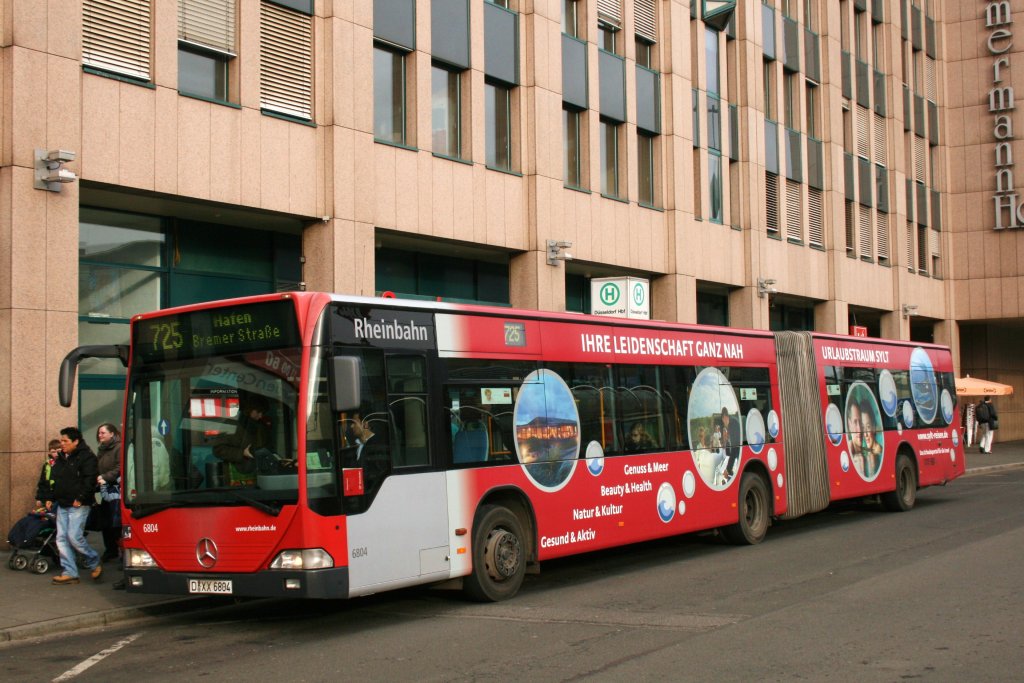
(713, 416)
(547, 430)
(864, 435)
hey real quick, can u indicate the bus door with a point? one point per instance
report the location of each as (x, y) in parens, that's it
(398, 524)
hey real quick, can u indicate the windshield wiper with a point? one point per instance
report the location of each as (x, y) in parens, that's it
(139, 510)
(258, 504)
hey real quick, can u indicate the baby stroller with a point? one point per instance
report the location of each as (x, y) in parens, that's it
(33, 540)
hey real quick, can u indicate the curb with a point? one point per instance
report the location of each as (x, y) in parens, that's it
(101, 618)
(992, 468)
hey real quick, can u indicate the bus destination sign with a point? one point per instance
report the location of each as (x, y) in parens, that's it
(216, 332)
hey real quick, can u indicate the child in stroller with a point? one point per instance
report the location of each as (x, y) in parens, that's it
(33, 540)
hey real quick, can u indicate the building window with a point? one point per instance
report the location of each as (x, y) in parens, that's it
(117, 39)
(645, 53)
(429, 273)
(573, 157)
(810, 15)
(446, 112)
(712, 308)
(286, 60)
(714, 123)
(607, 37)
(715, 187)
(206, 44)
(789, 100)
(571, 20)
(388, 95)
(711, 58)
(609, 158)
(498, 101)
(769, 90)
(646, 174)
(202, 73)
(812, 110)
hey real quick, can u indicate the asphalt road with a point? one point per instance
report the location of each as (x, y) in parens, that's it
(851, 594)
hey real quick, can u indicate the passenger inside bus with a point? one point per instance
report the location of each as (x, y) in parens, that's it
(638, 439)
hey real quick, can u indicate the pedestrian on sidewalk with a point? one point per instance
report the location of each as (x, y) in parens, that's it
(969, 424)
(108, 456)
(988, 423)
(74, 475)
(44, 487)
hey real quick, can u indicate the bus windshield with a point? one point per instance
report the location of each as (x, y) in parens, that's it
(216, 430)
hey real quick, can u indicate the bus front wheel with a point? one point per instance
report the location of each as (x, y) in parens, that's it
(499, 556)
(905, 495)
(754, 509)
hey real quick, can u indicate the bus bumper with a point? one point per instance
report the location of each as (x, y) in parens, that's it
(317, 583)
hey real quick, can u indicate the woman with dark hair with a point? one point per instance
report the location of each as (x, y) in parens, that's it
(108, 455)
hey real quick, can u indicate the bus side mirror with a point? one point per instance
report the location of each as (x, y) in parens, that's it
(345, 379)
(66, 381)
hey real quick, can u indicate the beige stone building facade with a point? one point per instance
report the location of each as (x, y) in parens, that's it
(787, 164)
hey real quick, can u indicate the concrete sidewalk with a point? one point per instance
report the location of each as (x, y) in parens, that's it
(30, 606)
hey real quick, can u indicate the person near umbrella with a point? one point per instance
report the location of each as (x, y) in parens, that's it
(969, 423)
(988, 423)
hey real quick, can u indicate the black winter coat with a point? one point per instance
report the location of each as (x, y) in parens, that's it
(74, 477)
(108, 456)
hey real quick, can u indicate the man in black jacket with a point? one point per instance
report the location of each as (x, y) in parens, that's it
(74, 485)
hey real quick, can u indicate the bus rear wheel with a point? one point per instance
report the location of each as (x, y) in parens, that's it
(905, 495)
(499, 556)
(755, 512)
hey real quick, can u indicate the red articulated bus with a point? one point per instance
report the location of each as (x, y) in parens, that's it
(313, 445)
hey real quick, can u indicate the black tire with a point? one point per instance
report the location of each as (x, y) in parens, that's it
(40, 565)
(755, 512)
(19, 562)
(10, 560)
(905, 495)
(499, 556)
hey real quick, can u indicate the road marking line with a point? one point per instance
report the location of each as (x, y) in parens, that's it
(95, 659)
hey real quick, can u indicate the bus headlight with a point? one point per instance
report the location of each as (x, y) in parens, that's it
(312, 558)
(138, 559)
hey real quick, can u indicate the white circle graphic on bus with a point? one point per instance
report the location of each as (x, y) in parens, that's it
(713, 423)
(922, 385)
(844, 461)
(755, 430)
(947, 406)
(952, 455)
(547, 430)
(682, 508)
(778, 480)
(773, 424)
(956, 438)
(908, 414)
(773, 459)
(834, 424)
(689, 484)
(595, 458)
(887, 392)
(865, 438)
(666, 502)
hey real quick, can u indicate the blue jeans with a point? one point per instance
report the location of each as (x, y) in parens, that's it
(71, 537)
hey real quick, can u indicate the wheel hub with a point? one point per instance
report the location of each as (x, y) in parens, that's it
(503, 554)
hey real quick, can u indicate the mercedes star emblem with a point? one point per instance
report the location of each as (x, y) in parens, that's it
(206, 553)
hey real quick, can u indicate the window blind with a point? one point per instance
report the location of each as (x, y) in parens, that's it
(117, 35)
(645, 21)
(210, 23)
(286, 61)
(610, 11)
